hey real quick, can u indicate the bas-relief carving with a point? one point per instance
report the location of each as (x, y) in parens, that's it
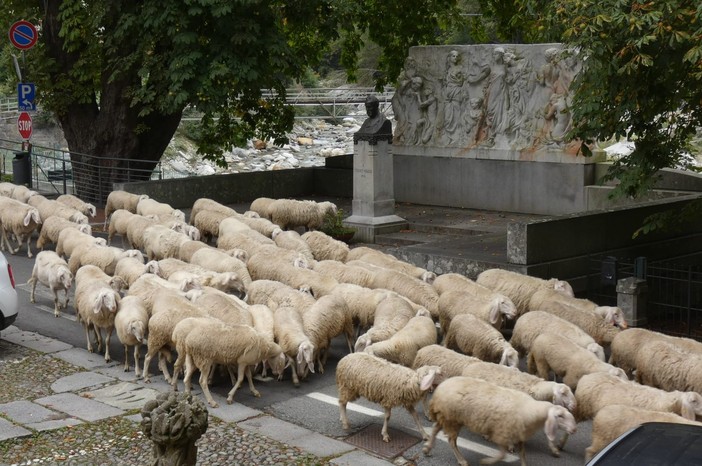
(510, 97)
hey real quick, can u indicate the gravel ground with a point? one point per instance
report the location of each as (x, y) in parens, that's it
(27, 374)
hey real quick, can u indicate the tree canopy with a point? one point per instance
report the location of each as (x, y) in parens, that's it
(119, 73)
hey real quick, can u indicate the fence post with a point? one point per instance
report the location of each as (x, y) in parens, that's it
(632, 294)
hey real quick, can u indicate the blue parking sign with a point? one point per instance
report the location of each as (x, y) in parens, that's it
(25, 97)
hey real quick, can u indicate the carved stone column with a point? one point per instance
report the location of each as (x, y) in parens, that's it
(373, 205)
(174, 422)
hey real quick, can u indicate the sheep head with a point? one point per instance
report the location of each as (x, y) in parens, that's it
(305, 357)
(105, 300)
(78, 217)
(65, 277)
(137, 330)
(510, 357)
(429, 376)
(690, 405)
(31, 216)
(428, 277)
(597, 350)
(85, 228)
(91, 210)
(563, 286)
(563, 396)
(614, 316)
(558, 418)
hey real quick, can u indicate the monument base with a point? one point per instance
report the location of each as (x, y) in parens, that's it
(367, 228)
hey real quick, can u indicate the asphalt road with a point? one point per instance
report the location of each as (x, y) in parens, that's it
(313, 405)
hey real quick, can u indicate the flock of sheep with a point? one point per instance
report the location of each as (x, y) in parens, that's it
(247, 292)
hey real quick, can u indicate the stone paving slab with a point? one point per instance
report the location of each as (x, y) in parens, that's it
(79, 381)
(292, 434)
(124, 395)
(34, 341)
(234, 412)
(9, 430)
(356, 457)
(26, 412)
(80, 407)
(82, 358)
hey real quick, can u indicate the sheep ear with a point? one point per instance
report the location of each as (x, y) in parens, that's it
(427, 381)
(97, 305)
(686, 409)
(551, 425)
(27, 218)
(494, 311)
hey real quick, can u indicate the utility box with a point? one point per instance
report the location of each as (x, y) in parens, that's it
(22, 169)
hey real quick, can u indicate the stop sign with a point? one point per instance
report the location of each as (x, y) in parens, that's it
(24, 125)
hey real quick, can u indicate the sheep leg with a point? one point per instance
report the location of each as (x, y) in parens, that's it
(420, 428)
(29, 249)
(108, 337)
(384, 432)
(164, 366)
(453, 436)
(177, 368)
(204, 385)
(249, 377)
(65, 302)
(33, 281)
(563, 441)
(87, 336)
(126, 359)
(57, 306)
(499, 457)
(429, 444)
(147, 362)
(136, 359)
(342, 415)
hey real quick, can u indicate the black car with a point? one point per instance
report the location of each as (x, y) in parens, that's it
(654, 444)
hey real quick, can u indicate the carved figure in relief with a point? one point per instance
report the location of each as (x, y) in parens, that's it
(495, 97)
(421, 115)
(472, 119)
(399, 100)
(453, 97)
(519, 89)
(559, 117)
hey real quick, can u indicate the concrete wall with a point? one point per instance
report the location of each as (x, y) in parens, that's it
(549, 188)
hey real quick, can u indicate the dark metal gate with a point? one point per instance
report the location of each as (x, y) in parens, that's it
(674, 300)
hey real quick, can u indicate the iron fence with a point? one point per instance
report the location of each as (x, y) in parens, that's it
(674, 298)
(58, 171)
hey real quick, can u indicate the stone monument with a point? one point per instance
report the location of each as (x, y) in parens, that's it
(174, 422)
(373, 205)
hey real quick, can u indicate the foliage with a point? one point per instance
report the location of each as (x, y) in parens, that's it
(333, 225)
(642, 81)
(127, 69)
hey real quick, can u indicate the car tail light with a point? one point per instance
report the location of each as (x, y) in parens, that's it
(12, 277)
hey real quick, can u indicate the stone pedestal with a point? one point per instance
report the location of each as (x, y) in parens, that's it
(373, 206)
(631, 298)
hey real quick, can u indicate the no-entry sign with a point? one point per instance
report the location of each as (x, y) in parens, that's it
(23, 35)
(24, 125)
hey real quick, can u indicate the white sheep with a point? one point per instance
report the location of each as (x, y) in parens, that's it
(131, 324)
(53, 226)
(131, 268)
(611, 314)
(167, 309)
(274, 294)
(135, 230)
(233, 225)
(50, 207)
(391, 315)
(154, 207)
(261, 225)
(220, 261)
(534, 386)
(223, 306)
(452, 362)
(412, 288)
(554, 353)
(161, 242)
(6, 188)
(458, 282)
(52, 271)
(388, 261)
(664, 365)
(243, 241)
(266, 266)
(290, 239)
(75, 202)
(292, 213)
(149, 286)
(614, 420)
(384, 383)
(228, 282)
(290, 334)
(22, 193)
(345, 273)
(519, 287)
(69, 239)
(208, 221)
(494, 310)
(627, 344)
(239, 345)
(473, 336)
(188, 248)
(204, 203)
(19, 220)
(105, 257)
(121, 200)
(119, 222)
(599, 389)
(402, 347)
(532, 324)
(504, 416)
(328, 317)
(96, 303)
(260, 206)
(324, 247)
(602, 330)
(362, 302)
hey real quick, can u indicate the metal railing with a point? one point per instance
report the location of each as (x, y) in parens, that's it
(57, 171)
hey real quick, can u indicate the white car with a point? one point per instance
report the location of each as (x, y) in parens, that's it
(8, 294)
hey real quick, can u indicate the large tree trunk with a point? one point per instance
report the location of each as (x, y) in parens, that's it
(108, 140)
